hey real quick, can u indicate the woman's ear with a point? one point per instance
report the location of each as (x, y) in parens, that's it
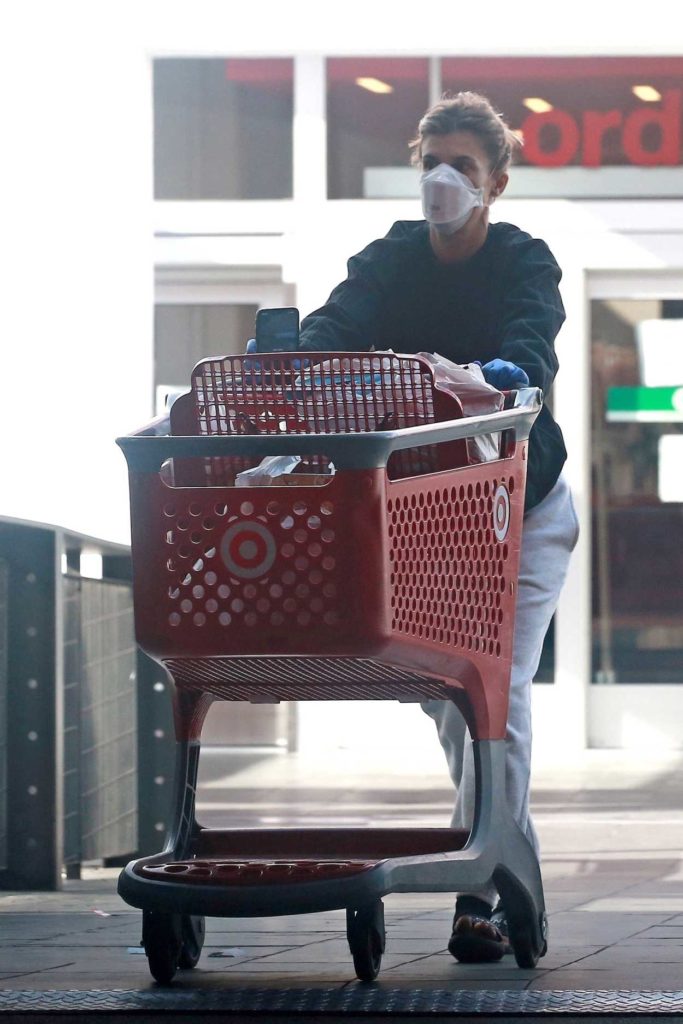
(499, 186)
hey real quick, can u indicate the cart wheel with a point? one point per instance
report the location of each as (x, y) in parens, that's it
(367, 939)
(162, 939)
(525, 945)
(192, 931)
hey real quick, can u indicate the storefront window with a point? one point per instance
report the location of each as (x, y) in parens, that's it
(373, 108)
(578, 111)
(223, 128)
(637, 454)
(186, 333)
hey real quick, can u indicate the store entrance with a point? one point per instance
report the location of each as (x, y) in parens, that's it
(637, 513)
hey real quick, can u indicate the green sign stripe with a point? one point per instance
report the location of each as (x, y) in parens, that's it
(631, 400)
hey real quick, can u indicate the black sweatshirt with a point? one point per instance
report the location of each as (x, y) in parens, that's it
(503, 302)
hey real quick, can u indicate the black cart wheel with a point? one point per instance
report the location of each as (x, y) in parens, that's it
(367, 939)
(526, 946)
(192, 931)
(162, 939)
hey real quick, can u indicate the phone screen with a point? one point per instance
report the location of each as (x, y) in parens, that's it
(277, 330)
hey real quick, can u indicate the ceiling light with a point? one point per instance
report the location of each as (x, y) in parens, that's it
(537, 105)
(374, 85)
(648, 93)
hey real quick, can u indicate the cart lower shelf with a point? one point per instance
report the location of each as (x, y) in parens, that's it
(222, 857)
(261, 872)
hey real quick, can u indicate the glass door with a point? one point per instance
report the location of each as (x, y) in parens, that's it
(637, 491)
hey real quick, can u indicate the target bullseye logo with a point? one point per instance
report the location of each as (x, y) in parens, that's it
(248, 550)
(501, 512)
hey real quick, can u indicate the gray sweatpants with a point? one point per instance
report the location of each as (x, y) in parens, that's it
(549, 534)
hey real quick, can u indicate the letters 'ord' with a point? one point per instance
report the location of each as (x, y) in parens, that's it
(584, 136)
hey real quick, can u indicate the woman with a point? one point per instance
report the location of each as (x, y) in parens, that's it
(457, 285)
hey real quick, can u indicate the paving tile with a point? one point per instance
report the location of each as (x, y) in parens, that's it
(429, 931)
(598, 928)
(628, 903)
(266, 939)
(316, 923)
(563, 957)
(342, 970)
(663, 931)
(35, 928)
(610, 979)
(71, 902)
(619, 955)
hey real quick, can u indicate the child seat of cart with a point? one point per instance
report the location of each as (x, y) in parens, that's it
(325, 393)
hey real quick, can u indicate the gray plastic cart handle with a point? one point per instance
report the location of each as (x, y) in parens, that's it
(146, 452)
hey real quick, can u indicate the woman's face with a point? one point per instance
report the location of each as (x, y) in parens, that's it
(464, 152)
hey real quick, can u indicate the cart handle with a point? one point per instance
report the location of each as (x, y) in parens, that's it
(367, 450)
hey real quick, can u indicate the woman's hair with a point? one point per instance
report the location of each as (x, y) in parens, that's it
(469, 112)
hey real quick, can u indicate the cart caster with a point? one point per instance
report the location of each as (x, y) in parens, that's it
(530, 944)
(367, 939)
(192, 930)
(163, 941)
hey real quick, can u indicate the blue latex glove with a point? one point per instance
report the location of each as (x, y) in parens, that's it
(504, 375)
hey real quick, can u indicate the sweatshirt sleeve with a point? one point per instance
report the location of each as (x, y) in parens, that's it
(532, 313)
(351, 319)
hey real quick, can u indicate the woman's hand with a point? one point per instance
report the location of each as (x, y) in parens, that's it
(254, 365)
(504, 375)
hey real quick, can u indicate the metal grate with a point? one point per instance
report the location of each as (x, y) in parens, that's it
(108, 721)
(73, 674)
(4, 609)
(291, 678)
(330, 1003)
(100, 719)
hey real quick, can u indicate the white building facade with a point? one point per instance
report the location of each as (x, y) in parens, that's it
(273, 160)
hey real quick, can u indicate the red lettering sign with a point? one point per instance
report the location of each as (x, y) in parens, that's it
(554, 138)
(668, 120)
(567, 132)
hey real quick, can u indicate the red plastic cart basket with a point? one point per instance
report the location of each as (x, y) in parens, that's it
(392, 577)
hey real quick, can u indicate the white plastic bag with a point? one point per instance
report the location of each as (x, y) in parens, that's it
(477, 398)
(266, 472)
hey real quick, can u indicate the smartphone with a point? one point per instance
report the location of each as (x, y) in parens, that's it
(277, 330)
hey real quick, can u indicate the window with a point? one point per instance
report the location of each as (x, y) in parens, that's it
(578, 111)
(637, 434)
(186, 333)
(373, 109)
(223, 128)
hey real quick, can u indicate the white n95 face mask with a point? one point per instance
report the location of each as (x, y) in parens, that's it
(448, 198)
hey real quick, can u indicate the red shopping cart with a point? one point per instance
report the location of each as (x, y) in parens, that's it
(385, 568)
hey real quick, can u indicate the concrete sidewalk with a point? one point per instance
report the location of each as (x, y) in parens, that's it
(611, 826)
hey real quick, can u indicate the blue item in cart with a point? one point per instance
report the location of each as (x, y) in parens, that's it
(356, 385)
